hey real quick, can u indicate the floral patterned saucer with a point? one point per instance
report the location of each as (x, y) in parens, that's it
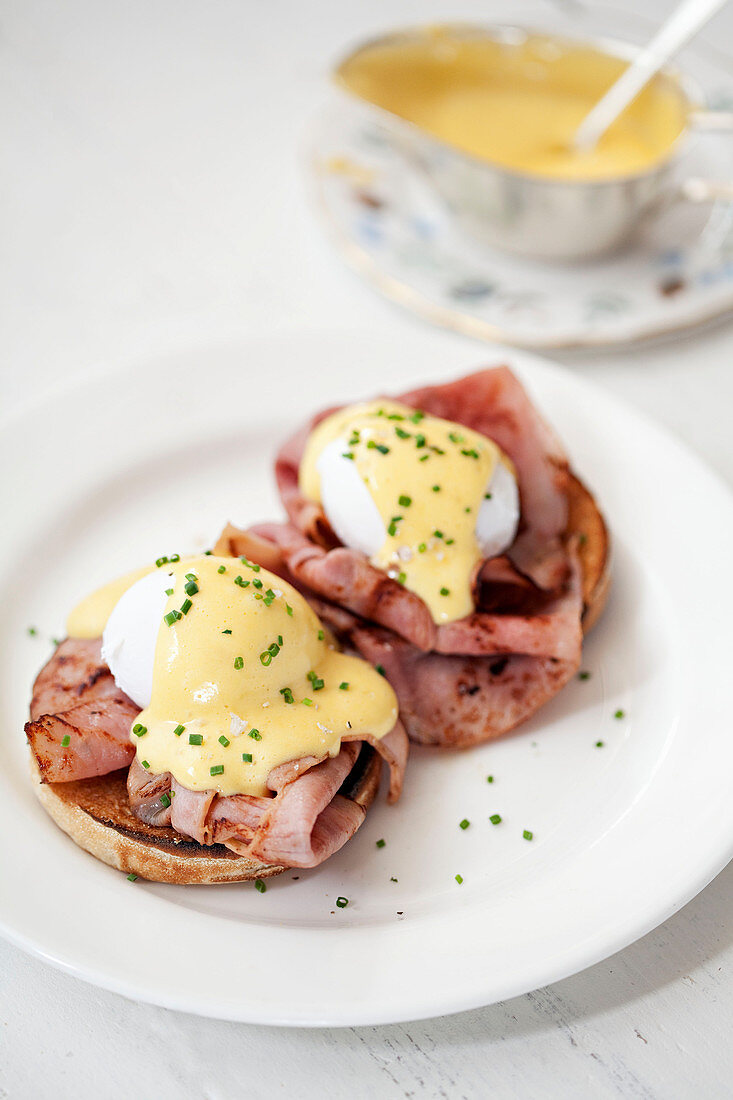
(394, 229)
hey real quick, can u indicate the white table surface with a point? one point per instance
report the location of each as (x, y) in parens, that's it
(154, 200)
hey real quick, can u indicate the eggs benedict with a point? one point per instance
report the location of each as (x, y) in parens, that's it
(212, 681)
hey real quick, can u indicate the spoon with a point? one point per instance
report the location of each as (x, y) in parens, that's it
(687, 19)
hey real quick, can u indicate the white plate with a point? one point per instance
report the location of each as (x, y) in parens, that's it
(389, 224)
(152, 459)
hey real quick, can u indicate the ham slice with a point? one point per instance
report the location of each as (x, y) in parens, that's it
(301, 826)
(75, 697)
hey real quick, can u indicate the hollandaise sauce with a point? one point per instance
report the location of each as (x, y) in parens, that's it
(517, 103)
(245, 678)
(89, 618)
(428, 478)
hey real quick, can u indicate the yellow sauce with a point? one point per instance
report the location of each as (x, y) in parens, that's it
(245, 656)
(89, 618)
(428, 487)
(517, 105)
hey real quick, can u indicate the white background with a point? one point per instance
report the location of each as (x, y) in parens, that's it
(154, 199)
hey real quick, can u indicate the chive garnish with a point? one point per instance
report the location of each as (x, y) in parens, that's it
(269, 597)
(160, 561)
(65, 741)
(488, 496)
(139, 730)
(145, 763)
(438, 534)
(315, 680)
(424, 458)
(584, 675)
(280, 640)
(495, 819)
(401, 578)
(449, 542)
(172, 617)
(239, 662)
(169, 591)
(445, 591)
(599, 744)
(392, 529)
(224, 741)
(195, 739)
(247, 757)
(257, 582)
(466, 509)
(287, 695)
(289, 610)
(132, 877)
(420, 440)
(459, 879)
(464, 824)
(421, 548)
(455, 437)
(241, 582)
(393, 879)
(417, 416)
(260, 886)
(402, 434)
(404, 502)
(165, 799)
(344, 685)
(489, 779)
(266, 658)
(307, 702)
(191, 588)
(216, 769)
(620, 714)
(190, 576)
(186, 607)
(222, 569)
(470, 452)
(32, 631)
(342, 902)
(226, 631)
(381, 843)
(174, 558)
(347, 454)
(179, 730)
(380, 670)
(528, 835)
(321, 635)
(255, 735)
(436, 488)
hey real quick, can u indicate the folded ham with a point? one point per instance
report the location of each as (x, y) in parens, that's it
(304, 821)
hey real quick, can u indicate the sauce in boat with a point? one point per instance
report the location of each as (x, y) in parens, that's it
(517, 105)
(245, 678)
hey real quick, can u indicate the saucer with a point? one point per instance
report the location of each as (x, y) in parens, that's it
(394, 229)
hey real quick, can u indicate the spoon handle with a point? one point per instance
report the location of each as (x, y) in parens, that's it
(684, 22)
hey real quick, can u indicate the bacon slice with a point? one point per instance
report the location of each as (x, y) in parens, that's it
(75, 697)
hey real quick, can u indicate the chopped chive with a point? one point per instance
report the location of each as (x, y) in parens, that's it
(495, 819)
(528, 835)
(470, 452)
(132, 877)
(459, 879)
(381, 843)
(266, 658)
(307, 702)
(190, 576)
(139, 730)
(620, 714)
(466, 509)
(169, 591)
(174, 558)
(449, 542)
(393, 879)
(584, 675)
(392, 529)
(455, 437)
(342, 902)
(274, 647)
(247, 757)
(179, 730)
(436, 488)
(226, 631)
(347, 454)
(464, 824)
(165, 799)
(289, 609)
(257, 582)
(208, 553)
(172, 617)
(186, 607)
(404, 502)
(65, 740)
(402, 434)
(488, 496)
(421, 548)
(417, 416)
(424, 458)
(401, 578)
(438, 534)
(260, 886)
(445, 591)
(224, 741)
(287, 695)
(395, 416)
(160, 561)
(32, 631)
(344, 685)
(241, 582)
(195, 739)
(380, 670)
(269, 597)
(145, 763)
(191, 588)
(321, 635)
(489, 779)
(239, 662)
(222, 569)
(255, 735)
(280, 640)
(216, 769)
(599, 744)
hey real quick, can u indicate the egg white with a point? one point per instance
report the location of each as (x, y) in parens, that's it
(131, 635)
(354, 516)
